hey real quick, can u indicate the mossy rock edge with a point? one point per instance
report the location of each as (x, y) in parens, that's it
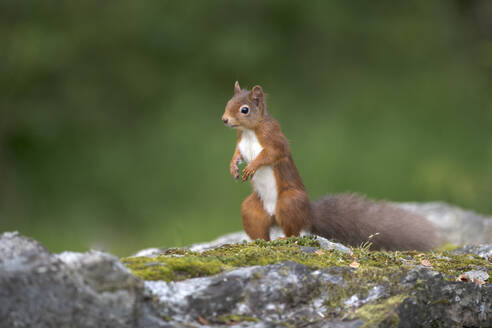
(369, 288)
(180, 264)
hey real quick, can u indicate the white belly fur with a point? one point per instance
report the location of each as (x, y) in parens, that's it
(264, 181)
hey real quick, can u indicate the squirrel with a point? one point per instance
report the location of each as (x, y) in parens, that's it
(280, 198)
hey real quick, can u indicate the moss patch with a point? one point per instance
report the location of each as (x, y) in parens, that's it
(173, 268)
(359, 283)
(180, 264)
(374, 314)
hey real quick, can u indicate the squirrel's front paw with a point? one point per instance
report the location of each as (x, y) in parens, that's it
(234, 169)
(249, 171)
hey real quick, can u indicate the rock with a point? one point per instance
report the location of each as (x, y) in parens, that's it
(286, 292)
(457, 226)
(316, 289)
(308, 249)
(477, 274)
(291, 294)
(374, 294)
(484, 251)
(239, 237)
(230, 238)
(441, 303)
(326, 244)
(40, 289)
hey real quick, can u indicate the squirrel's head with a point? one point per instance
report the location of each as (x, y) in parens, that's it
(245, 109)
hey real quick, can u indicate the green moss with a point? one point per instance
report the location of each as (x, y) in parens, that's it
(359, 282)
(450, 265)
(336, 296)
(173, 268)
(375, 267)
(442, 301)
(303, 241)
(453, 265)
(374, 314)
(448, 247)
(178, 264)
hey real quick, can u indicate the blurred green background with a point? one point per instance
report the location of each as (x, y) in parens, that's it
(110, 130)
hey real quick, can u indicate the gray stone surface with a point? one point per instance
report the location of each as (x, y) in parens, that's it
(477, 274)
(484, 251)
(458, 226)
(287, 293)
(290, 294)
(40, 289)
(441, 303)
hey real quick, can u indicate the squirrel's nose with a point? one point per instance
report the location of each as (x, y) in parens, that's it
(225, 120)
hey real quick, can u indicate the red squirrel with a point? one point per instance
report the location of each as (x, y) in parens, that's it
(280, 198)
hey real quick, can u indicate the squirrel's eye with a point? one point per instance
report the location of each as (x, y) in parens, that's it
(244, 109)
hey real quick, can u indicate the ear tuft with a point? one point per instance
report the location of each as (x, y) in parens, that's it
(257, 92)
(237, 88)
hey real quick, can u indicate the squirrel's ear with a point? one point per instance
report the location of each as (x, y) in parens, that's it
(237, 88)
(257, 94)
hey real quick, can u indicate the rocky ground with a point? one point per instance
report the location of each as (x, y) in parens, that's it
(300, 282)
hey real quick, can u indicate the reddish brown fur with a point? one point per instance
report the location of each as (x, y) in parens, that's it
(256, 221)
(293, 210)
(347, 218)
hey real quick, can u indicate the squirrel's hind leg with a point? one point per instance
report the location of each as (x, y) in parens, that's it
(293, 212)
(256, 221)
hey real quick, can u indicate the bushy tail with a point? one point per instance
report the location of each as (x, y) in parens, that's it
(355, 220)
